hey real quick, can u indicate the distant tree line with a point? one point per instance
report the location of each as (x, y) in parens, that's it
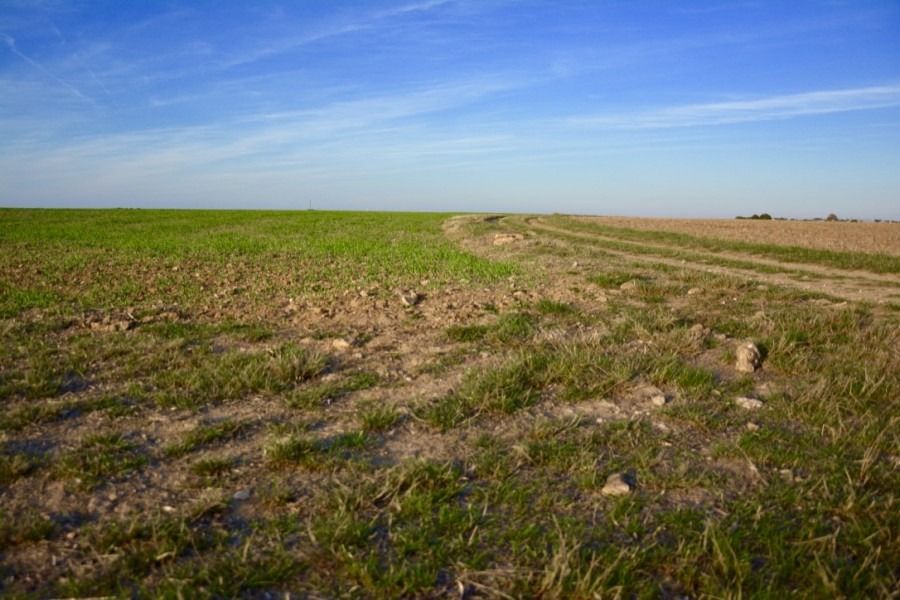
(830, 217)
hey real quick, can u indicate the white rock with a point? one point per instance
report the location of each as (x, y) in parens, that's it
(747, 357)
(242, 495)
(410, 298)
(658, 400)
(698, 330)
(748, 403)
(617, 484)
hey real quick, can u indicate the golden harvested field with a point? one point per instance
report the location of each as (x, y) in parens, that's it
(846, 237)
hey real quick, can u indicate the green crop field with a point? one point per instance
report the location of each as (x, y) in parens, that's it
(335, 404)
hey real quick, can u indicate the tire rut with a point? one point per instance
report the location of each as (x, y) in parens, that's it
(848, 285)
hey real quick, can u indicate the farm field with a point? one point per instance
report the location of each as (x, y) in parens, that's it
(327, 404)
(869, 237)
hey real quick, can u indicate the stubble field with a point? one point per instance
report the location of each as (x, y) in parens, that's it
(868, 237)
(315, 404)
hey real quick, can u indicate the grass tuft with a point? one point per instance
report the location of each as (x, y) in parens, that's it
(205, 435)
(100, 457)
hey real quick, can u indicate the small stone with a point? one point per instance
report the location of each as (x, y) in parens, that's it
(650, 393)
(340, 344)
(242, 495)
(751, 426)
(629, 285)
(748, 403)
(694, 291)
(747, 358)
(765, 389)
(575, 265)
(617, 484)
(410, 298)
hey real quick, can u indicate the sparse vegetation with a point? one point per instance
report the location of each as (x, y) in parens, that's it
(206, 434)
(100, 457)
(238, 404)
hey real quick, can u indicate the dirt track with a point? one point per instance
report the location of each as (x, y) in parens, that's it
(853, 285)
(826, 235)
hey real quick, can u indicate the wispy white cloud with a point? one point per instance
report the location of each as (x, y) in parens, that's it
(59, 34)
(714, 8)
(11, 44)
(742, 111)
(362, 22)
(412, 7)
(382, 127)
(362, 112)
(359, 23)
(286, 44)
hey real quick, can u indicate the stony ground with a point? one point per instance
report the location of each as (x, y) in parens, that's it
(581, 426)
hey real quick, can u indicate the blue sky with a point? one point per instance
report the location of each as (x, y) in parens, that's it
(649, 108)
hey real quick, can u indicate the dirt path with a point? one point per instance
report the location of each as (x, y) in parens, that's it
(841, 283)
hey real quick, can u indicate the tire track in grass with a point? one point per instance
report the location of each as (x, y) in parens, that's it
(848, 285)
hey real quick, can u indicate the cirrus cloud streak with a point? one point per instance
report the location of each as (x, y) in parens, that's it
(744, 111)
